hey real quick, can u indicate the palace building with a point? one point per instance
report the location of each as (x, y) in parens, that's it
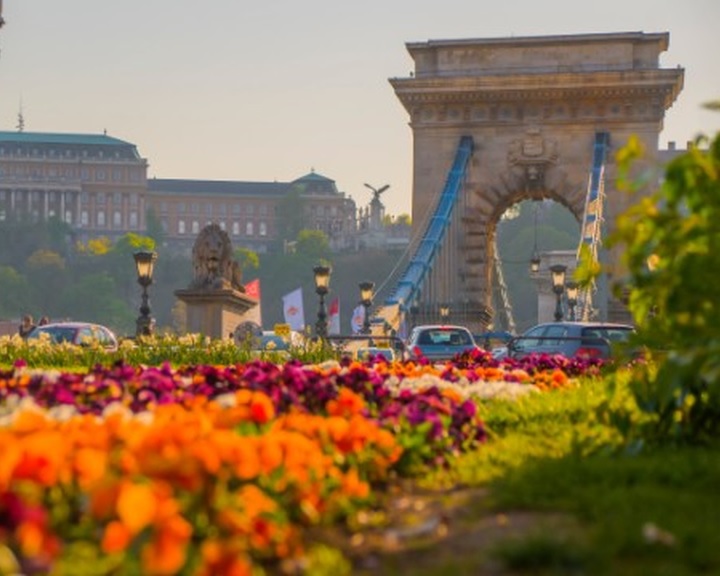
(99, 186)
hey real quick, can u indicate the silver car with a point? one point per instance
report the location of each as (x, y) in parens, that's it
(78, 333)
(439, 342)
(570, 339)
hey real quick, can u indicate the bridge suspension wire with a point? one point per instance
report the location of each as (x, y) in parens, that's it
(405, 256)
(420, 265)
(504, 295)
(593, 217)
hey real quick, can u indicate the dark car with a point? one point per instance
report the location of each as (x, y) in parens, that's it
(570, 339)
(439, 342)
(78, 333)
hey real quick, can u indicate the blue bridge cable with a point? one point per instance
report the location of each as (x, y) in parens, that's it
(420, 263)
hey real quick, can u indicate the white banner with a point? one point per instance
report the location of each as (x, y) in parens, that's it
(358, 318)
(334, 317)
(293, 310)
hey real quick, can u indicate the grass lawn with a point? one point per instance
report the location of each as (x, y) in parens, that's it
(555, 492)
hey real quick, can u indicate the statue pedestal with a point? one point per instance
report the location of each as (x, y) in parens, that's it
(216, 313)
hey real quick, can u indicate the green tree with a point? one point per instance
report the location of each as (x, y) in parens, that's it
(313, 244)
(291, 215)
(93, 299)
(248, 259)
(48, 277)
(15, 291)
(672, 251)
(154, 227)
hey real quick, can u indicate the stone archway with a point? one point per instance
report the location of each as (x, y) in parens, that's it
(532, 106)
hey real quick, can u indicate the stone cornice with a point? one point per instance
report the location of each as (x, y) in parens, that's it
(666, 92)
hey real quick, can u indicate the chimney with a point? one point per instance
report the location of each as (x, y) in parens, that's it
(671, 145)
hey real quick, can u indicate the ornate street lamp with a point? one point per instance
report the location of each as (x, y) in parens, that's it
(444, 313)
(322, 287)
(558, 284)
(572, 296)
(535, 263)
(535, 258)
(414, 311)
(144, 264)
(366, 299)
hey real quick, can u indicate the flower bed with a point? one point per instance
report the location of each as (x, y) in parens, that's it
(218, 469)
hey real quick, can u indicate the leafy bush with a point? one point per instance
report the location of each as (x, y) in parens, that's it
(672, 242)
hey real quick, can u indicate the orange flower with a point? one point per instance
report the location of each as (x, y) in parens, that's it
(116, 537)
(346, 404)
(89, 466)
(223, 558)
(136, 506)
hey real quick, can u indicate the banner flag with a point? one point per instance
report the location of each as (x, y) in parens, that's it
(293, 310)
(334, 317)
(252, 289)
(358, 318)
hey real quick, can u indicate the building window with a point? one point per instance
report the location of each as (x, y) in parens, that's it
(68, 216)
(249, 229)
(222, 225)
(195, 208)
(85, 174)
(117, 219)
(208, 210)
(164, 224)
(133, 219)
(236, 209)
(181, 207)
(163, 207)
(117, 175)
(250, 209)
(117, 198)
(84, 218)
(262, 210)
(236, 229)
(181, 226)
(100, 198)
(222, 209)
(195, 227)
(134, 199)
(262, 229)
(101, 218)
(100, 175)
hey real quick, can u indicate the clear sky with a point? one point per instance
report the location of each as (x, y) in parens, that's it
(270, 89)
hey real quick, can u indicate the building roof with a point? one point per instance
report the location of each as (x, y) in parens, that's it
(92, 145)
(217, 187)
(55, 138)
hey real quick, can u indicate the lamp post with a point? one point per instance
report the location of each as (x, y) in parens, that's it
(322, 283)
(444, 313)
(414, 311)
(535, 258)
(558, 284)
(535, 263)
(144, 264)
(572, 296)
(366, 299)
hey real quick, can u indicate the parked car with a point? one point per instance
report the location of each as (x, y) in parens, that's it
(367, 352)
(439, 342)
(570, 339)
(78, 333)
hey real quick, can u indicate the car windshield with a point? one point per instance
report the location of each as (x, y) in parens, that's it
(58, 333)
(611, 334)
(444, 337)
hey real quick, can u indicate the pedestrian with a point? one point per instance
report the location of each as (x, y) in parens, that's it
(26, 326)
(44, 320)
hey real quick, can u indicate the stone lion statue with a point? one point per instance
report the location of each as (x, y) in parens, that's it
(213, 265)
